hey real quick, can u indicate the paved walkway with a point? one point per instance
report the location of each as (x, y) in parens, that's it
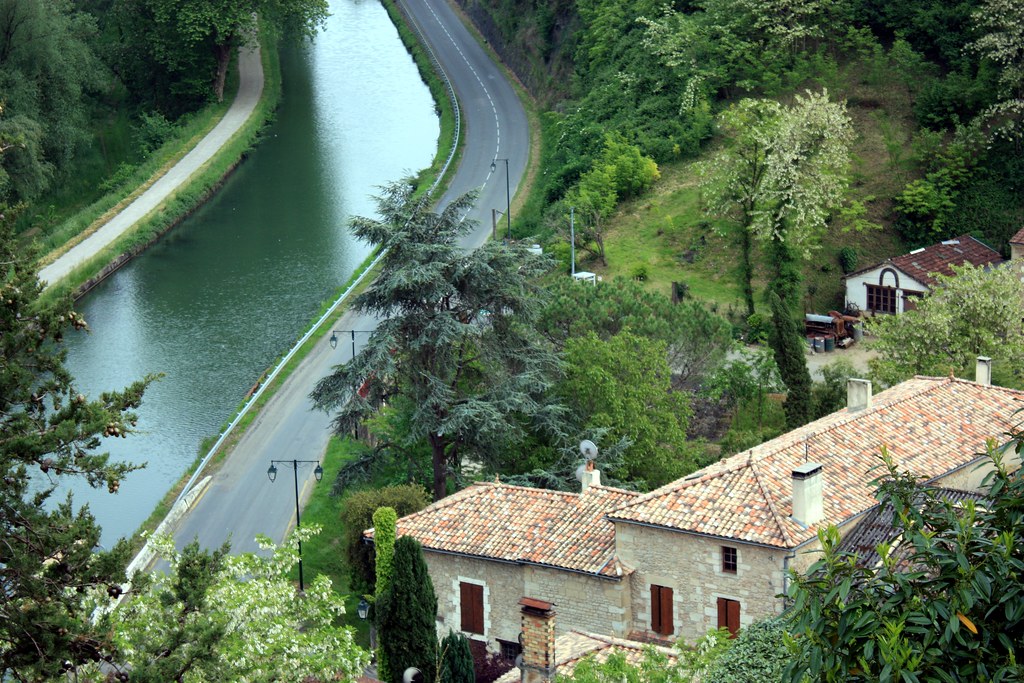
(250, 88)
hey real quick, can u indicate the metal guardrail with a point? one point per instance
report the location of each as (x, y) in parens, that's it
(255, 396)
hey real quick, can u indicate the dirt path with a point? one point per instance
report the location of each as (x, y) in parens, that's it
(250, 88)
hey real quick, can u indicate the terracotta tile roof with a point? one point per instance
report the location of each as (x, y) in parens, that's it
(930, 425)
(1018, 237)
(520, 524)
(922, 264)
(572, 647)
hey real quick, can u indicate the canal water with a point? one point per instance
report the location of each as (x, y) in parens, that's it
(219, 299)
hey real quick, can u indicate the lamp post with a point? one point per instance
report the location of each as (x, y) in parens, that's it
(272, 475)
(334, 338)
(508, 198)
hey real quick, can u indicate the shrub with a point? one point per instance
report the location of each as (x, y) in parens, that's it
(757, 328)
(357, 515)
(848, 259)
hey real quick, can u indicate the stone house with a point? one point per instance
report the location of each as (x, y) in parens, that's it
(709, 550)
(893, 285)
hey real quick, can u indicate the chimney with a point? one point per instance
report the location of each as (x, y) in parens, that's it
(808, 507)
(591, 476)
(858, 394)
(983, 371)
(538, 658)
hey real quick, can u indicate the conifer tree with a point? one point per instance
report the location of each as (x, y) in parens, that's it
(456, 659)
(384, 521)
(787, 344)
(406, 611)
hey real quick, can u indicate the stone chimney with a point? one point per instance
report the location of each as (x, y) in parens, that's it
(538, 619)
(983, 371)
(591, 476)
(858, 394)
(808, 506)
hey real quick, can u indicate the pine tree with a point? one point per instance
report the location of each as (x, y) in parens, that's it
(48, 557)
(787, 344)
(406, 611)
(456, 659)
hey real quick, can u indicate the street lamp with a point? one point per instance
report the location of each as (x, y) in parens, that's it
(334, 338)
(508, 198)
(272, 475)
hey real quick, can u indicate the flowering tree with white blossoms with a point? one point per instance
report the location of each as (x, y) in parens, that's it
(221, 617)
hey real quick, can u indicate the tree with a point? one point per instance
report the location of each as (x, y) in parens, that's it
(48, 552)
(356, 513)
(384, 521)
(946, 603)
(184, 26)
(406, 611)
(788, 345)
(623, 385)
(696, 340)
(974, 312)
(456, 659)
(750, 377)
(456, 336)
(221, 617)
(1001, 23)
(784, 172)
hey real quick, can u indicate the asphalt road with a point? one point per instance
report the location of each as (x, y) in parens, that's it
(241, 502)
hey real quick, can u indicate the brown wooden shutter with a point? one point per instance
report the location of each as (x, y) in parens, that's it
(666, 612)
(471, 599)
(656, 609)
(733, 617)
(723, 615)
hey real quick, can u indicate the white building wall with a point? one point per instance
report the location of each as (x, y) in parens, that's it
(857, 291)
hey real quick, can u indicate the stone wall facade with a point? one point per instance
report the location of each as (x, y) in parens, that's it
(580, 601)
(691, 566)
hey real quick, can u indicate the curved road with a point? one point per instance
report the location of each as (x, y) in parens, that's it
(241, 502)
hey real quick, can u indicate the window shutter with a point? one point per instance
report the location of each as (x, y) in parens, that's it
(666, 612)
(471, 600)
(733, 617)
(656, 609)
(723, 616)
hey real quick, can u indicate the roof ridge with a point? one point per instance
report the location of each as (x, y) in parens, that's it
(771, 505)
(688, 481)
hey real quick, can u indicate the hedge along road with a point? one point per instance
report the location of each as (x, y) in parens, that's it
(240, 501)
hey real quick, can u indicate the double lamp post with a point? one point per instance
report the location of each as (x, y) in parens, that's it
(508, 197)
(318, 473)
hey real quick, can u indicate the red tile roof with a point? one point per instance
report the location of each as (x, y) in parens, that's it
(520, 524)
(1018, 237)
(930, 426)
(922, 264)
(572, 647)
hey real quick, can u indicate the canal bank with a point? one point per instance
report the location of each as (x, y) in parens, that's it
(213, 303)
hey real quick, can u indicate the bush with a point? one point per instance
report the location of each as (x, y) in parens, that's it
(758, 655)
(757, 328)
(848, 260)
(357, 515)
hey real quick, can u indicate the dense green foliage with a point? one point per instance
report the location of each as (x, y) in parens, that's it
(384, 520)
(48, 551)
(456, 659)
(788, 346)
(946, 604)
(356, 511)
(456, 337)
(405, 615)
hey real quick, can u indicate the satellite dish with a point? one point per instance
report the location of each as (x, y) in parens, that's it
(588, 448)
(412, 675)
(519, 661)
(579, 472)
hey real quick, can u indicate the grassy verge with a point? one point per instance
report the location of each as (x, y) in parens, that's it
(323, 553)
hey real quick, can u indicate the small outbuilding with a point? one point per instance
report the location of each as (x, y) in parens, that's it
(894, 285)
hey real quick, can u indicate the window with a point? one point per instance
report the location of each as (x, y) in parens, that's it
(881, 299)
(910, 298)
(729, 562)
(471, 600)
(509, 649)
(661, 610)
(729, 615)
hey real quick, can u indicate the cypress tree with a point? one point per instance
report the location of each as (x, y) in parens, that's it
(787, 344)
(456, 659)
(406, 611)
(384, 521)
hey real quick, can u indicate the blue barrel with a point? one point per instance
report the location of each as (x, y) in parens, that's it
(830, 344)
(819, 345)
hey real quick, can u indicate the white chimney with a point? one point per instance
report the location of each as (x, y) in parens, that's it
(808, 506)
(591, 476)
(858, 394)
(983, 371)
